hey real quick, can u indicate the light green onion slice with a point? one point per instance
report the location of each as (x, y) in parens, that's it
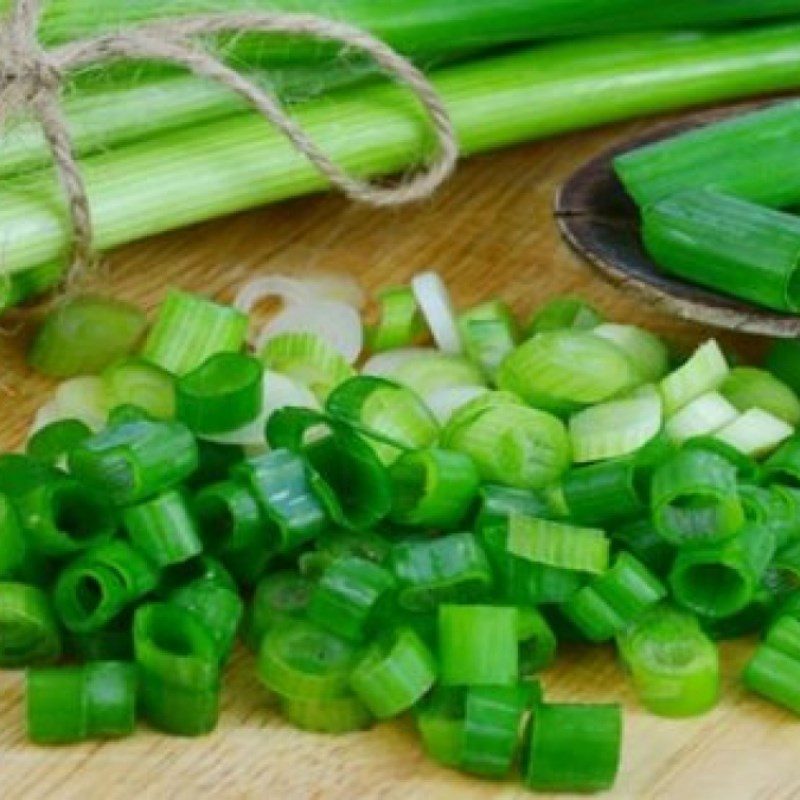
(400, 322)
(702, 416)
(137, 382)
(308, 359)
(489, 333)
(704, 372)
(749, 387)
(564, 312)
(84, 398)
(756, 432)
(558, 544)
(428, 372)
(563, 370)
(443, 403)
(615, 428)
(646, 351)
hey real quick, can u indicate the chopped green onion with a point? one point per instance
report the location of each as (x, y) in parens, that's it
(563, 370)
(748, 387)
(645, 350)
(493, 717)
(602, 492)
(702, 416)
(673, 664)
(450, 568)
(215, 461)
(498, 503)
(300, 659)
(644, 542)
(222, 394)
(509, 443)
(190, 329)
(489, 333)
(136, 382)
(746, 468)
(433, 488)
(114, 642)
(280, 483)
(17, 559)
(84, 398)
(616, 427)
(782, 361)
(19, 474)
(573, 748)
(228, 517)
(784, 464)
(393, 675)
(564, 312)
(384, 411)
(774, 669)
(440, 722)
(704, 372)
(721, 579)
(279, 596)
(755, 433)
(537, 641)
(400, 322)
(28, 629)
(695, 499)
(478, 645)
(614, 599)
(308, 359)
(333, 544)
(427, 372)
(52, 443)
(325, 714)
(97, 587)
(163, 529)
(350, 597)
(135, 460)
(84, 335)
(558, 544)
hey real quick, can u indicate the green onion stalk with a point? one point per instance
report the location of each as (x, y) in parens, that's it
(204, 171)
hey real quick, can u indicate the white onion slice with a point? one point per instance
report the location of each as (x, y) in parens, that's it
(291, 289)
(278, 391)
(445, 402)
(384, 364)
(48, 413)
(434, 300)
(84, 398)
(756, 432)
(337, 323)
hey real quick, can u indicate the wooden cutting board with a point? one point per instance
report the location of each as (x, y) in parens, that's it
(490, 232)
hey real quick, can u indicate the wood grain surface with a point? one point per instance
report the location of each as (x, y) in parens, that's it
(490, 232)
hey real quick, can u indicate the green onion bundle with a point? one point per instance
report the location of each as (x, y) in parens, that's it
(385, 552)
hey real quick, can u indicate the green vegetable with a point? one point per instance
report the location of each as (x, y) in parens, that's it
(29, 632)
(748, 387)
(564, 312)
(773, 670)
(489, 334)
(400, 322)
(55, 441)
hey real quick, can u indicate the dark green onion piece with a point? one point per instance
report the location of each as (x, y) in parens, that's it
(615, 599)
(488, 333)
(202, 568)
(114, 642)
(19, 474)
(300, 659)
(55, 441)
(400, 320)
(602, 492)
(451, 568)
(746, 468)
(673, 664)
(498, 503)
(564, 312)
(345, 472)
(333, 544)
(720, 579)
(29, 632)
(440, 722)
(222, 394)
(394, 674)
(783, 466)
(384, 411)
(280, 483)
(215, 461)
(782, 575)
(18, 560)
(135, 460)
(728, 244)
(279, 596)
(134, 381)
(98, 586)
(350, 597)
(774, 670)
(84, 335)
(573, 748)
(248, 565)
(62, 517)
(644, 542)
(217, 607)
(695, 499)
(163, 529)
(433, 488)
(190, 329)
(537, 641)
(178, 669)
(326, 715)
(493, 717)
(783, 361)
(228, 517)
(478, 645)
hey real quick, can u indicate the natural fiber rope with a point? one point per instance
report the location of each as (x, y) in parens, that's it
(31, 78)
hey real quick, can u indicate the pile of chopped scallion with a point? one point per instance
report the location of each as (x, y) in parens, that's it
(417, 534)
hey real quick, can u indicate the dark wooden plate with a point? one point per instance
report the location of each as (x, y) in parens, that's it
(601, 223)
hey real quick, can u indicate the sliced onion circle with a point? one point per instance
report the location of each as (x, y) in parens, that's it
(437, 308)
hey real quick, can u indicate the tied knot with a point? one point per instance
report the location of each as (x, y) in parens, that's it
(25, 75)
